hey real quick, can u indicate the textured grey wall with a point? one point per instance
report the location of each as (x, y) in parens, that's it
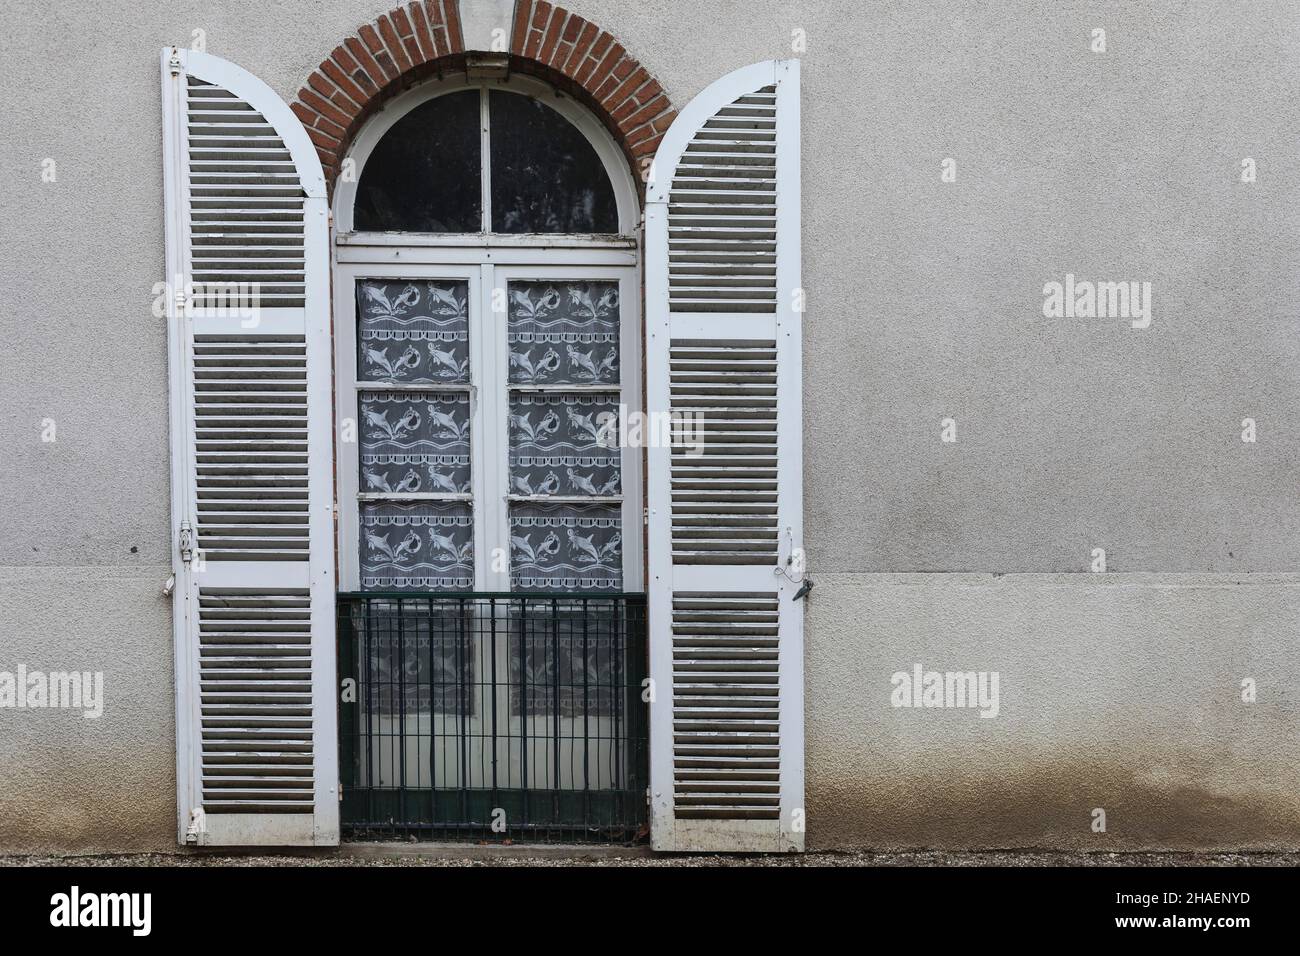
(924, 303)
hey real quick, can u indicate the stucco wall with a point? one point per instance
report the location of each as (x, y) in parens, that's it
(924, 303)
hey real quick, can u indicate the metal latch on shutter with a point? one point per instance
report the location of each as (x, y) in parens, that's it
(186, 542)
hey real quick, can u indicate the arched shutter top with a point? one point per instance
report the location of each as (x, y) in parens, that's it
(246, 88)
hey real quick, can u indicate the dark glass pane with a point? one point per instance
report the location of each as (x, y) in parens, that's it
(545, 175)
(424, 176)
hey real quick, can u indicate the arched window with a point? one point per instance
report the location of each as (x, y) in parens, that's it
(539, 174)
(487, 336)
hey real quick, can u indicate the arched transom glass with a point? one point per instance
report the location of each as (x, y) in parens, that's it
(485, 160)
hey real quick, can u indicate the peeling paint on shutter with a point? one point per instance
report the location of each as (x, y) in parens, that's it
(723, 333)
(252, 462)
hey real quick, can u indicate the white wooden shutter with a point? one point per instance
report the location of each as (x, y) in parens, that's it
(723, 304)
(252, 461)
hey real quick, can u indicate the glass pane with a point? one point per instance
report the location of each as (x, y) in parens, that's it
(414, 442)
(563, 333)
(424, 176)
(412, 331)
(417, 546)
(545, 175)
(563, 445)
(565, 547)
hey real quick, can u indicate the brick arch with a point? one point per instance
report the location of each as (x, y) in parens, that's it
(423, 39)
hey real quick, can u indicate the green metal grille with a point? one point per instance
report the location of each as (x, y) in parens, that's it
(493, 716)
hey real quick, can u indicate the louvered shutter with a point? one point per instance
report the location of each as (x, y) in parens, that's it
(723, 311)
(252, 460)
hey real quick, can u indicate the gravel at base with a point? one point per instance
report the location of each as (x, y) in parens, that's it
(856, 858)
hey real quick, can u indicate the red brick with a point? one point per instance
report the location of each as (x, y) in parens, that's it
(626, 88)
(662, 123)
(307, 116)
(649, 147)
(601, 44)
(331, 129)
(324, 107)
(561, 55)
(541, 14)
(434, 9)
(377, 52)
(401, 22)
(322, 140)
(650, 91)
(646, 113)
(606, 87)
(336, 73)
(370, 69)
(422, 31)
(451, 14)
(394, 44)
(523, 10)
(611, 57)
(534, 41)
(580, 48)
(586, 70)
(638, 135)
(345, 106)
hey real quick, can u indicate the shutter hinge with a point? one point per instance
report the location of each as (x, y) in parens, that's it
(174, 62)
(186, 542)
(645, 517)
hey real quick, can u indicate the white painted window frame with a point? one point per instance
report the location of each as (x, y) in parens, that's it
(487, 261)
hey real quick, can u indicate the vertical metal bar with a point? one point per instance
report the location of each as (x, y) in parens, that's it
(619, 643)
(462, 716)
(492, 652)
(404, 820)
(586, 726)
(372, 757)
(523, 701)
(555, 705)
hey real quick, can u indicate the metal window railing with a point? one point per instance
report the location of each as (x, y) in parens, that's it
(493, 716)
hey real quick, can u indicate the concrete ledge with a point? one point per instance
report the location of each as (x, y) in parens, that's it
(492, 851)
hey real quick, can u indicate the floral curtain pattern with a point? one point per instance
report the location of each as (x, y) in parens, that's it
(566, 547)
(563, 340)
(417, 546)
(412, 332)
(559, 445)
(414, 442)
(563, 333)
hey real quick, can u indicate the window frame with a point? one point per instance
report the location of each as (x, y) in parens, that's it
(486, 260)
